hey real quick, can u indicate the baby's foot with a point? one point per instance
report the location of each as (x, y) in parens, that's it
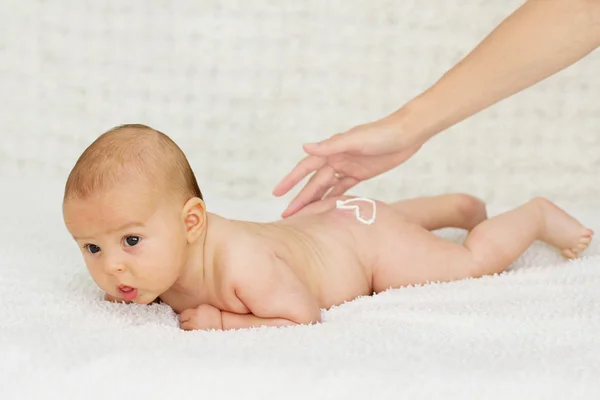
(584, 241)
(562, 230)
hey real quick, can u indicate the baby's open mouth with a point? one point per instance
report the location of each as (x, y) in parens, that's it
(127, 292)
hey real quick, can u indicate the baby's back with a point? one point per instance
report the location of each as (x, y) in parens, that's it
(329, 250)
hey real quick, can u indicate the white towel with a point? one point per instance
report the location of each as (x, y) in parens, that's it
(530, 333)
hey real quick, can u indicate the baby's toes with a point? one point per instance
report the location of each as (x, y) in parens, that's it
(569, 253)
(584, 242)
(586, 236)
(581, 247)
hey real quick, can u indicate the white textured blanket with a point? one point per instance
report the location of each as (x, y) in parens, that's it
(531, 333)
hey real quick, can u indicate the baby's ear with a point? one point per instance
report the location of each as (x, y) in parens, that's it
(194, 217)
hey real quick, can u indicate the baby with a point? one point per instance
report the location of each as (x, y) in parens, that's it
(134, 207)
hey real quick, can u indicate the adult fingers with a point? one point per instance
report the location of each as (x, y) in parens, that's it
(306, 166)
(339, 143)
(314, 190)
(342, 186)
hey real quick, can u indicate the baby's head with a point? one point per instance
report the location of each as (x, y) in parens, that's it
(134, 207)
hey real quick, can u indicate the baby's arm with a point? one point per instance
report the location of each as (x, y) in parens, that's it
(268, 288)
(273, 294)
(205, 317)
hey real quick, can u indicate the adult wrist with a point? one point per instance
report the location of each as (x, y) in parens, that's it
(420, 119)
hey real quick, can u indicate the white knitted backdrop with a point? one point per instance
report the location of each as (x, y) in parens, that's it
(240, 85)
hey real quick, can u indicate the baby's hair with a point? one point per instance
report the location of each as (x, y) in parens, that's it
(132, 151)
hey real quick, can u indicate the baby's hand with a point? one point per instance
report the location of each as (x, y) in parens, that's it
(203, 317)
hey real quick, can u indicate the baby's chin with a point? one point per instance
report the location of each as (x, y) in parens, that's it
(145, 298)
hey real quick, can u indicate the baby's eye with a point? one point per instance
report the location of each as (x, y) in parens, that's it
(132, 240)
(92, 248)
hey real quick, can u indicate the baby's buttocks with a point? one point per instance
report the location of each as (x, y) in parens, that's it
(371, 223)
(362, 219)
(347, 235)
(355, 224)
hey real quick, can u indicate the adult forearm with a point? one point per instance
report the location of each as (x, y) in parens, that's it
(539, 39)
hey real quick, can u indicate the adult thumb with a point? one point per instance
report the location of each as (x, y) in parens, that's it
(340, 143)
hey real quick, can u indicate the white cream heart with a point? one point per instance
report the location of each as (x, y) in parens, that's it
(344, 205)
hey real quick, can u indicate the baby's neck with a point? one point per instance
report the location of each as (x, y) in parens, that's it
(197, 276)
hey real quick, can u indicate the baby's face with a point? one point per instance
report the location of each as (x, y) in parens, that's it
(133, 244)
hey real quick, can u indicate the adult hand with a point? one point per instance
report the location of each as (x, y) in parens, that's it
(345, 159)
(536, 41)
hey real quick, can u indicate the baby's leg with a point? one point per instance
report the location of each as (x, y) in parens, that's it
(498, 241)
(436, 212)
(449, 210)
(489, 248)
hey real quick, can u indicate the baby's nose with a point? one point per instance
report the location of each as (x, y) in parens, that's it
(114, 266)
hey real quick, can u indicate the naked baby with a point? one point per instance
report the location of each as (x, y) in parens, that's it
(134, 208)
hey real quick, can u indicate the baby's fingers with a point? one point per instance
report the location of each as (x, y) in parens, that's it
(187, 319)
(189, 325)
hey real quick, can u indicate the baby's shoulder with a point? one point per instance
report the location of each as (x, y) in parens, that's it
(241, 250)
